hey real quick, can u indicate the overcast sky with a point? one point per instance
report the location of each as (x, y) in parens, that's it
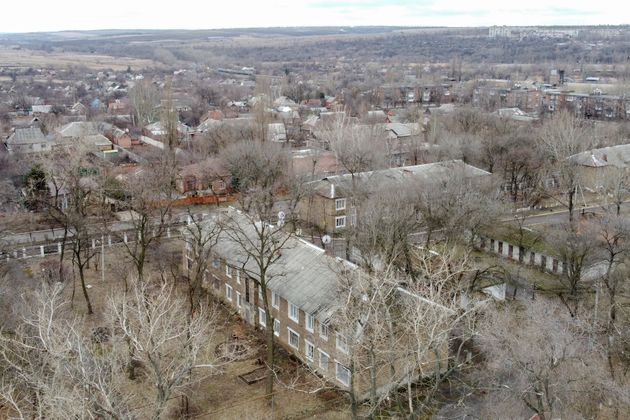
(53, 15)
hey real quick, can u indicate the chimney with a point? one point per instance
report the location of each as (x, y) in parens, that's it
(332, 190)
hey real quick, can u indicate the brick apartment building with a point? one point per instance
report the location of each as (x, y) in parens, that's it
(302, 287)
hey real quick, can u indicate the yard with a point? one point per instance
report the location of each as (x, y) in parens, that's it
(222, 393)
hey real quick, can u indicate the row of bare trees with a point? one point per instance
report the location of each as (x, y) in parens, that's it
(54, 366)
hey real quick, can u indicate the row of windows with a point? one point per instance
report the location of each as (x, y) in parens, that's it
(342, 374)
(294, 315)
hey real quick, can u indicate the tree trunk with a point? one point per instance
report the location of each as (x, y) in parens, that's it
(354, 404)
(270, 361)
(85, 292)
(571, 204)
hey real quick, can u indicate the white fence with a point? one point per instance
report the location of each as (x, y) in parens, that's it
(522, 255)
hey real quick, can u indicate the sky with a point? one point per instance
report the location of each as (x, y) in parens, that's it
(56, 15)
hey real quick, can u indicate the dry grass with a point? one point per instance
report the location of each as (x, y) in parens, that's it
(31, 58)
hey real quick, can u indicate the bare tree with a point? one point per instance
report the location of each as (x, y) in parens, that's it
(51, 370)
(561, 137)
(383, 229)
(265, 188)
(615, 187)
(151, 195)
(169, 119)
(456, 207)
(169, 343)
(576, 249)
(76, 195)
(144, 100)
(262, 109)
(398, 330)
(541, 362)
(200, 239)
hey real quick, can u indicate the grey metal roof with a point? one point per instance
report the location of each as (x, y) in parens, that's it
(618, 156)
(418, 174)
(29, 135)
(78, 129)
(304, 274)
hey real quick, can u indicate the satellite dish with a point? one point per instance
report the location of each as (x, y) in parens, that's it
(326, 239)
(281, 215)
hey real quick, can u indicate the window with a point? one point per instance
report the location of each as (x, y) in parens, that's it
(239, 302)
(275, 300)
(294, 313)
(189, 263)
(228, 292)
(216, 263)
(323, 331)
(262, 320)
(353, 217)
(294, 338)
(260, 294)
(342, 344)
(340, 204)
(310, 322)
(215, 282)
(238, 276)
(323, 360)
(228, 270)
(276, 327)
(342, 373)
(309, 350)
(340, 222)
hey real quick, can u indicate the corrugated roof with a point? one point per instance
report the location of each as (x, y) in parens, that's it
(303, 274)
(78, 129)
(29, 135)
(419, 174)
(618, 156)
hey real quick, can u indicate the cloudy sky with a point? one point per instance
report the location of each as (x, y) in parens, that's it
(52, 15)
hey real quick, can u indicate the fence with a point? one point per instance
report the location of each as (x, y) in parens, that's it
(105, 241)
(522, 255)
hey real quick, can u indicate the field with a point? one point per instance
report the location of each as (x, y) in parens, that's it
(10, 57)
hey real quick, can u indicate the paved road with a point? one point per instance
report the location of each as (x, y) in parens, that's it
(53, 235)
(560, 216)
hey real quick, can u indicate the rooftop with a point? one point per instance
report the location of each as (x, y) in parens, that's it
(421, 174)
(618, 156)
(303, 274)
(27, 135)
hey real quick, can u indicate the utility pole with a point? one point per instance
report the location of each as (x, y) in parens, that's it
(102, 259)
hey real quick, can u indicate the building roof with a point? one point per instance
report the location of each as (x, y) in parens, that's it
(156, 128)
(303, 274)
(516, 114)
(425, 174)
(277, 132)
(42, 109)
(210, 167)
(240, 123)
(96, 140)
(78, 129)
(618, 156)
(28, 135)
(403, 129)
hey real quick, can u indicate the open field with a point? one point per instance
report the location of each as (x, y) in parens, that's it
(29, 58)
